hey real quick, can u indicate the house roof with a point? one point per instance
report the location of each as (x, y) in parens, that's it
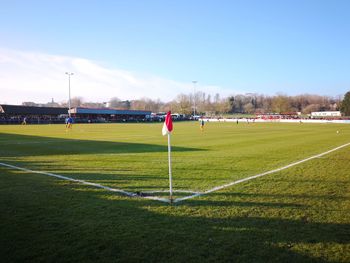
(31, 110)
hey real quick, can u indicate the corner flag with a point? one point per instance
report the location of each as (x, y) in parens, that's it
(168, 124)
(167, 129)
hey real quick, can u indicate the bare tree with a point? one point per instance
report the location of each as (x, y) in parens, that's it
(206, 103)
(76, 102)
(280, 103)
(93, 105)
(310, 108)
(114, 102)
(182, 104)
(249, 108)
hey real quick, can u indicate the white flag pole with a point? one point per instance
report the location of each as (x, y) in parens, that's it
(170, 178)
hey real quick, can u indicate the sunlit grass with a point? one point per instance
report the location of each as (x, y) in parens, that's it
(297, 215)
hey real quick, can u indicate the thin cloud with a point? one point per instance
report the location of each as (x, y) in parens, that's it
(39, 77)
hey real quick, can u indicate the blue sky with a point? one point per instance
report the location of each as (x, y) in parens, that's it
(229, 47)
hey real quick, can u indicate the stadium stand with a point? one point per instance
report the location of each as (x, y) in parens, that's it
(15, 114)
(87, 115)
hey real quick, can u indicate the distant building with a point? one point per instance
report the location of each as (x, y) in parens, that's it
(318, 114)
(52, 104)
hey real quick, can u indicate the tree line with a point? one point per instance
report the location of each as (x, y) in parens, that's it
(206, 104)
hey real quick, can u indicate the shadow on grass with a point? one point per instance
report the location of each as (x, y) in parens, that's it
(42, 221)
(23, 145)
(274, 195)
(226, 203)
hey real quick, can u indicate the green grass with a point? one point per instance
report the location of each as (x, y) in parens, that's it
(301, 214)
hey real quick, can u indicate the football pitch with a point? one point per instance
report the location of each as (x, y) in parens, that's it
(295, 207)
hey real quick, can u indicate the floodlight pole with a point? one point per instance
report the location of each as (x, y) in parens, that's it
(69, 102)
(194, 97)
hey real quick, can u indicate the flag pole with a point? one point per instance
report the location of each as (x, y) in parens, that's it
(170, 177)
(167, 129)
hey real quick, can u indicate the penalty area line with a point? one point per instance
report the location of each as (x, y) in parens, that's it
(130, 194)
(217, 188)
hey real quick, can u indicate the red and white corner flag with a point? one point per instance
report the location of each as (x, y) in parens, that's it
(168, 124)
(167, 129)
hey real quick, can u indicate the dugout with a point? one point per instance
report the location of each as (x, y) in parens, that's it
(91, 115)
(14, 114)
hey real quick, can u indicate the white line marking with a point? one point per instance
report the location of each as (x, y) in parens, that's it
(86, 183)
(167, 191)
(217, 188)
